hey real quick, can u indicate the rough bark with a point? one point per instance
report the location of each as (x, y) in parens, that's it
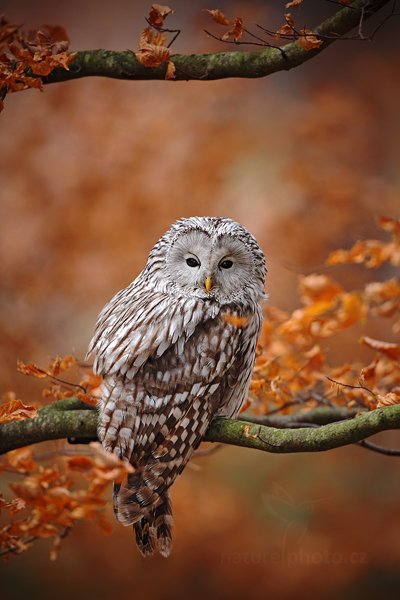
(73, 419)
(218, 65)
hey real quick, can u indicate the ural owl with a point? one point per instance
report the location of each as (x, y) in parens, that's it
(175, 349)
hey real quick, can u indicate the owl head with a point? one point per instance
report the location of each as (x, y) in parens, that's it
(212, 258)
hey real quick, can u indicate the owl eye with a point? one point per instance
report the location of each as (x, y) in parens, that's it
(192, 262)
(226, 264)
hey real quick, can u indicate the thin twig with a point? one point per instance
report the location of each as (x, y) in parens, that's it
(379, 449)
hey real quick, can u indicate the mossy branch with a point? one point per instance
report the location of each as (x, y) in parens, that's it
(71, 418)
(219, 65)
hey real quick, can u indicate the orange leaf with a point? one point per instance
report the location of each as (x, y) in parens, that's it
(391, 225)
(218, 16)
(388, 399)
(318, 288)
(157, 15)
(235, 320)
(287, 28)
(236, 31)
(31, 369)
(152, 50)
(293, 4)
(59, 365)
(170, 72)
(87, 398)
(15, 410)
(308, 40)
(390, 349)
(21, 459)
(80, 463)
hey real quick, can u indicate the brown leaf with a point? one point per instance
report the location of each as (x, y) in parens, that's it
(152, 50)
(218, 16)
(389, 224)
(15, 410)
(287, 28)
(157, 15)
(236, 31)
(80, 463)
(388, 399)
(293, 4)
(21, 459)
(373, 253)
(60, 365)
(32, 370)
(170, 72)
(390, 349)
(318, 288)
(308, 40)
(235, 320)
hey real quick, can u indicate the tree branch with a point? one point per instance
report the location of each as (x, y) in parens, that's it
(71, 418)
(218, 65)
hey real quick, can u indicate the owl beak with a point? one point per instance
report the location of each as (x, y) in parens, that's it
(208, 283)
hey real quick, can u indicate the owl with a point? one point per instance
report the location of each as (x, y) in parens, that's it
(175, 349)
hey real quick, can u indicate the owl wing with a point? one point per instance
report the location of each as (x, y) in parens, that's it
(171, 401)
(140, 322)
(168, 365)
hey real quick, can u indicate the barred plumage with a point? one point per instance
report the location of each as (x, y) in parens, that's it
(176, 348)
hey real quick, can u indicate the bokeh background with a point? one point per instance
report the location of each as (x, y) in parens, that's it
(92, 172)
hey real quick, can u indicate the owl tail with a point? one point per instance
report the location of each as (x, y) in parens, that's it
(153, 529)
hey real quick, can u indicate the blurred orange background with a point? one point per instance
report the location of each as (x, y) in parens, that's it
(93, 172)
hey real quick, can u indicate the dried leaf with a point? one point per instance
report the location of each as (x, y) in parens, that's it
(235, 320)
(308, 40)
(218, 16)
(21, 459)
(236, 31)
(388, 399)
(32, 370)
(15, 410)
(318, 288)
(293, 4)
(389, 224)
(40, 51)
(170, 72)
(157, 15)
(287, 28)
(390, 349)
(60, 365)
(152, 50)
(373, 253)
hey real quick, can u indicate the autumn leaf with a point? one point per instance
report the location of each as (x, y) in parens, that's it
(38, 52)
(388, 399)
(318, 288)
(60, 365)
(16, 410)
(32, 370)
(170, 72)
(21, 459)
(235, 320)
(218, 16)
(293, 4)
(152, 50)
(389, 224)
(308, 40)
(236, 31)
(371, 253)
(287, 28)
(391, 349)
(158, 14)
